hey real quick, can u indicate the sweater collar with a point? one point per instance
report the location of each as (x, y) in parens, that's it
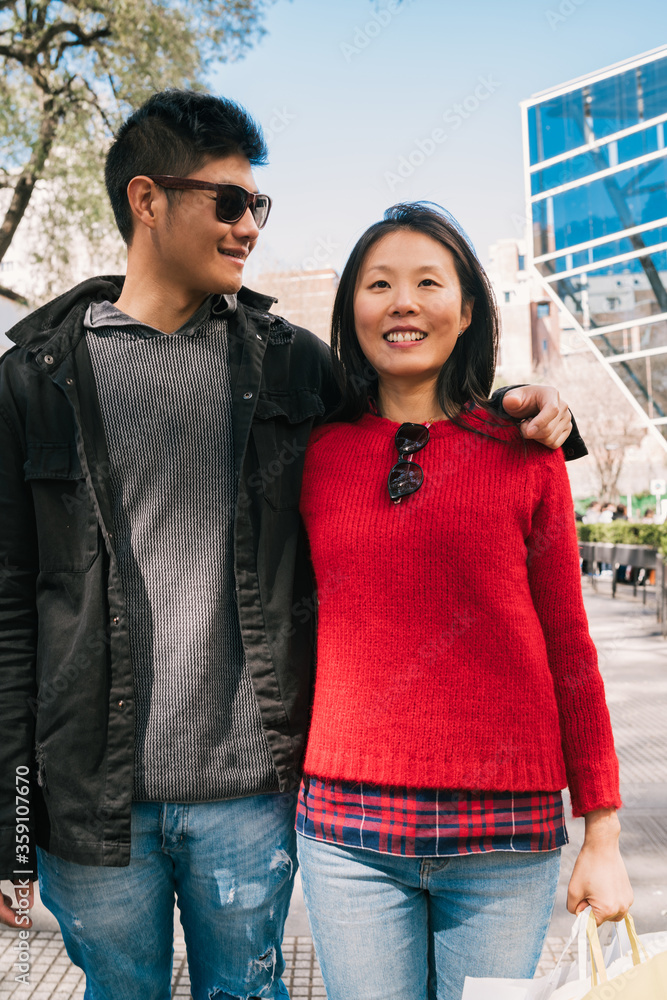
(106, 315)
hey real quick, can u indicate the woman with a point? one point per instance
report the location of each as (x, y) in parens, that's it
(457, 687)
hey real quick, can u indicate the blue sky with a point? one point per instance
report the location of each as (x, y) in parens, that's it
(346, 89)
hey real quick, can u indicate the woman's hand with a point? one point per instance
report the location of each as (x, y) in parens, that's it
(551, 423)
(599, 878)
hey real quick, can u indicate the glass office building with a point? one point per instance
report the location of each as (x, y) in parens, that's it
(595, 153)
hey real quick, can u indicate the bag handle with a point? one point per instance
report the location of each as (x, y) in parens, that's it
(597, 960)
(583, 923)
(635, 944)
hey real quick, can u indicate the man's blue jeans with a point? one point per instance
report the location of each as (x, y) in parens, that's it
(392, 928)
(231, 866)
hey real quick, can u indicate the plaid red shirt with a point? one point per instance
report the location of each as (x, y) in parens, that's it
(426, 822)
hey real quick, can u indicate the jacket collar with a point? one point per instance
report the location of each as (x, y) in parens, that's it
(255, 299)
(56, 327)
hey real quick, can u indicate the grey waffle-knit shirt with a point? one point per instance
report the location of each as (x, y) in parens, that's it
(167, 409)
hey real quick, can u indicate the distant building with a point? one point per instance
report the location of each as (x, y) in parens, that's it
(531, 328)
(595, 156)
(511, 285)
(304, 297)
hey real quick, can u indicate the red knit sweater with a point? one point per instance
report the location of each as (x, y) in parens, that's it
(453, 647)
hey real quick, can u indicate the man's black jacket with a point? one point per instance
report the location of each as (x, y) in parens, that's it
(66, 684)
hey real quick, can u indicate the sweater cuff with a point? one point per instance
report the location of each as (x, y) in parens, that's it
(595, 790)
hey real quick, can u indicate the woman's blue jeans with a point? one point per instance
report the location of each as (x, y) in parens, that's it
(388, 927)
(231, 867)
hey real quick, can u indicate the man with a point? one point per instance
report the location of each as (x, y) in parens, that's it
(156, 607)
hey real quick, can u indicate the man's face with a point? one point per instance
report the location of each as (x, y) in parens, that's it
(201, 255)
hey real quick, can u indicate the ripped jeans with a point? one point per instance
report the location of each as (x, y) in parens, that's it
(231, 867)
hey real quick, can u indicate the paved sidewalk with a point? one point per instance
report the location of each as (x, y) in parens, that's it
(633, 660)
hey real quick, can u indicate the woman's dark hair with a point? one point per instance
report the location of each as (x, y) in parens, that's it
(467, 375)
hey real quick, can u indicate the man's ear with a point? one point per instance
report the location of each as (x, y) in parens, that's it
(146, 201)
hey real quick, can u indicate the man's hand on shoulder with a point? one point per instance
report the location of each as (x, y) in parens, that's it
(17, 916)
(551, 421)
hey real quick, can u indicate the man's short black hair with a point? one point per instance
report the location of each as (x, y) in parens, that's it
(175, 132)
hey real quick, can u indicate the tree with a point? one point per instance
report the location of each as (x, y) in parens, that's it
(607, 421)
(71, 71)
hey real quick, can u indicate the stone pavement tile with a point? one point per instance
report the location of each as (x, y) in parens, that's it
(553, 949)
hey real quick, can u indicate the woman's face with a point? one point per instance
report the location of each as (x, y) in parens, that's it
(407, 306)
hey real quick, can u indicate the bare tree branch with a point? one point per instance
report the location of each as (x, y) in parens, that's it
(8, 293)
(27, 54)
(41, 10)
(82, 39)
(609, 428)
(28, 178)
(10, 52)
(93, 100)
(72, 28)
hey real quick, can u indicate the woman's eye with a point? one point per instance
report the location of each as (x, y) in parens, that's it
(380, 283)
(427, 281)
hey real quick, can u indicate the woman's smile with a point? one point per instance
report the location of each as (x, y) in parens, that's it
(404, 336)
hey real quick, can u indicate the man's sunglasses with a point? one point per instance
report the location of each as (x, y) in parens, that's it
(231, 200)
(406, 476)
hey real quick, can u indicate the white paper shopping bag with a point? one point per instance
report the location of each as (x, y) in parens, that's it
(498, 989)
(627, 956)
(536, 989)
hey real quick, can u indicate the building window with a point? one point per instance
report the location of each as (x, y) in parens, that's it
(612, 186)
(522, 262)
(508, 296)
(543, 309)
